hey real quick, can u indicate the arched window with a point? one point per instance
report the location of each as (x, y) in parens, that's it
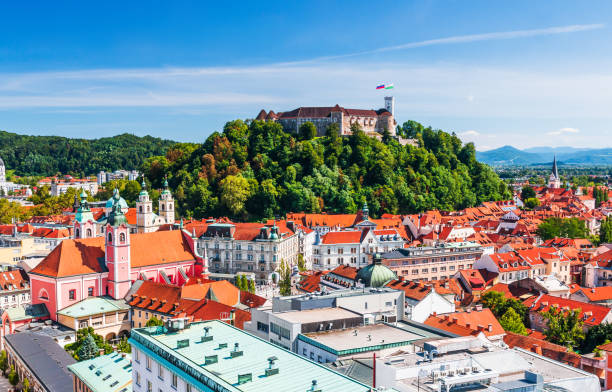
(42, 294)
(77, 233)
(122, 238)
(89, 234)
(140, 208)
(169, 207)
(163, 207)
(110, 238)
(148, 208)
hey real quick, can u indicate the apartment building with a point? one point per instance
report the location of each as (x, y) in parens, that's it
(432, 262)
(255, 248)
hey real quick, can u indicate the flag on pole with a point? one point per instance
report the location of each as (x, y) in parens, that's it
(384, 86)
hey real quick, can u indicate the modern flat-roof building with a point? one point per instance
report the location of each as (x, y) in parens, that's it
(329, 346)
(474, 364)
(41, 360)
(289, 316)
(106, 373)
(432, 262)
(214, 356)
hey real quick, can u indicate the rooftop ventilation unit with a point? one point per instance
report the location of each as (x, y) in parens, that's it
(271, 370)
(236, 352)
(182, 343)
(210, 359)
(313, 387)
(222, 345)
(206, 337)
(244, 378)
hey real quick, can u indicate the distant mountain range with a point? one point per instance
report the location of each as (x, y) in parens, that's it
(511, 156)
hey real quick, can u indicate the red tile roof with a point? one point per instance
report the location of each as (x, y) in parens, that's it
(342, 237)
(591, 314)
(86, 256)
(542, 347)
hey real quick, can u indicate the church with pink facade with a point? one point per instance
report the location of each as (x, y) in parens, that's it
(108, 263)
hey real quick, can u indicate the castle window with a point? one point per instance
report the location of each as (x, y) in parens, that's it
(122, 238)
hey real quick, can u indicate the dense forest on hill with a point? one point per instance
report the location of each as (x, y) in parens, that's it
(254, 170)
(48, 155)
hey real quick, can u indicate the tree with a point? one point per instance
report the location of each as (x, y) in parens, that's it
(88, 349)
(123, 346)
(308, 131)
(285, 279)
(3, 361)
(596, 336)
(301, 263)
(154, 322)
(512, 322)
(560, 227)
(531, 203)
(499, 305)
(605, 231)
(235, 190)
(13, 377)
(564, 327)
(527, 192)
(26, 385)
(251, 286)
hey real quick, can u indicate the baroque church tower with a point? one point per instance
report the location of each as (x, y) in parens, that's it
(145, 217)
(84, 223)
(166, 204)
(117, 253)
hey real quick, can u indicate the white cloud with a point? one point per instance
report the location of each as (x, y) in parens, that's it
(563, 131)
(470, 133)
(461, 39)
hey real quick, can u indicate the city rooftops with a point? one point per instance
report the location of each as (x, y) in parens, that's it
(106, 373)
(361, 339)
(316, 315)
(353, 292)
(226, 359)
(443, 248)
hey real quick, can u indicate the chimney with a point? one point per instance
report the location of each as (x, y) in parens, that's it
(478, 308)
(468, 325)
(434, 314)
(537, 349)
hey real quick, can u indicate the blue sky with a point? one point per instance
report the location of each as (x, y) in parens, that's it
(523, 73)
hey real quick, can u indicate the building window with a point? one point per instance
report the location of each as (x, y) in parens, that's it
(90, 292)
(110, 238)
(136, 356)
(137, 378)
(149, 386)
(71, 295)
(187, 388)
(122, 238)
(174, 381)
(148, 363)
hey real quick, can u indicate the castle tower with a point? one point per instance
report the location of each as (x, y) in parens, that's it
(166, 204)
(390, 105)
(84, 223)
(117, 253)
(554, 181)
(145, 218)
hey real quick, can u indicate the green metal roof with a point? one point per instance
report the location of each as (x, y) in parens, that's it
(375, 275)
(295, 373)
(106, 373)
(27, 312)
(93, 305)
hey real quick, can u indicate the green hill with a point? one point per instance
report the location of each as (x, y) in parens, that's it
(48, 155)
(256, 170)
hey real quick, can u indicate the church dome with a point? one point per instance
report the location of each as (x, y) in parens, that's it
(120, 200)
(375, 274)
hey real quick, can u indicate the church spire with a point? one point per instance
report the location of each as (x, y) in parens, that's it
(555, 172)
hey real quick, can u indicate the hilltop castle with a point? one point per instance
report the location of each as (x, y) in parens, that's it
(373, 122)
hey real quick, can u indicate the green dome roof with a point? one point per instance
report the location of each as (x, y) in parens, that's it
(116, 198)
(116, 217)
(375, 274)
